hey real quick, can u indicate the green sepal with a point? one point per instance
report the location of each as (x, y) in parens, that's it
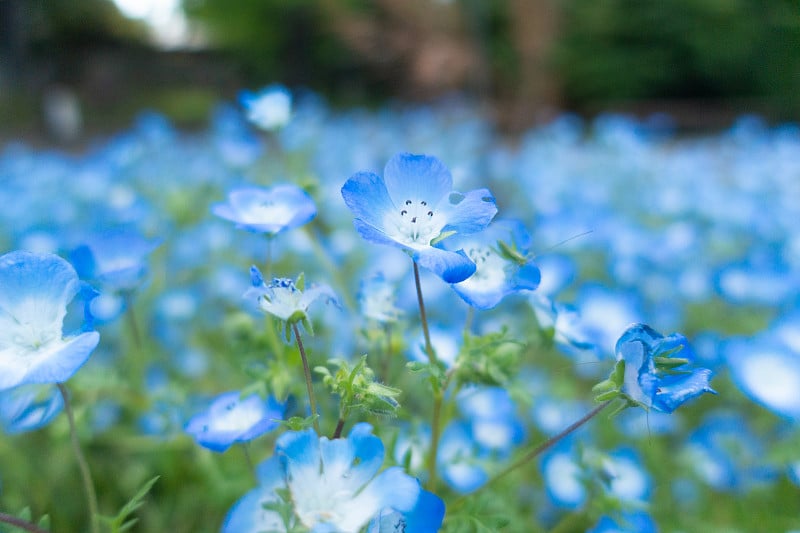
(669, 362)
(298, 423)
(605, 386)
(511, 253)
(608, 395)
(442, 236)
(300, 282)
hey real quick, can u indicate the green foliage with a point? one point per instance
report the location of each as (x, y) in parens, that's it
(491, 359)
(122, 521)
(629, 49)
(358, 390)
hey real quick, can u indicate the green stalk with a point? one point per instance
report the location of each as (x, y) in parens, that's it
(83, 466)
(307, 371)
(20, 523)
(438, 394)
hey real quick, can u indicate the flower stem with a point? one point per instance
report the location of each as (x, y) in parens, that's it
(337, 433)
(543, 447)
(438, 394)
(311, 400)
(423, 318)
(20, 523)
(83, 466)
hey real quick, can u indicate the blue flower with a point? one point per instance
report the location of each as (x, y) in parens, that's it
(413, 207)
(29, 407)
(652, 379)
(426, 517)
(270, 108)
(116, 259)
(34, 292)
(231, 419)
(500, 253)
(332, 485)
(283, 298)
(377, 298)
(271, 211)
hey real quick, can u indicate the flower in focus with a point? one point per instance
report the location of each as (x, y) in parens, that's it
(413, 207)
(332, 485)
(34, 292)
(286, 298)
(426, 517)
(269, 109)
(271, 210)
(29, 407)
(231, 419)
(653, 378)
(500, 254)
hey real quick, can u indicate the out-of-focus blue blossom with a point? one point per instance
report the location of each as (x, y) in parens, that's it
(282, 298)
(491, 415)
(334, 485)
(628, 522)
(570, 334)
(563, 478)
(794, 472)
(725, 454)
(426, 517)
(641, 424)
(377, 297)
(117, 259)
(267, 210)
(605, 314)
(458, 459)
(270, 108)
(650, 385)
(29, 407)
(500, 253)
(34, 292)
(237, 145)
(445, 344)
(552, 414)
(768, 372)
(413, 207)
(232, 419)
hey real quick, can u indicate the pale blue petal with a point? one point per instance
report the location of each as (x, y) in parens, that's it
(366, 195)
(674, 390)
(416, 178)
(356, 458)
(467, 212)
(59, 366)
(391, 488)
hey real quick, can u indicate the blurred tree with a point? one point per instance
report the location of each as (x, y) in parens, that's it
(634, 49)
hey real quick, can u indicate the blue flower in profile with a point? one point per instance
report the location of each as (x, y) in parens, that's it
(267, 210)
(333, 485)
(270, 108)
(285, 298)
(116, 259)
(653, 378)
(34, 292)
(500, 254)
(29, 407)
(413, 207)
(426, 517)
(231, 419)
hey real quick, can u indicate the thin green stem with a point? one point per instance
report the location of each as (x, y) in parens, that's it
(83, 466)
(543, 447)
(20, 523)
(249, 460)
(130, 317)
(307, 371)
(469, 320)
(438, 394)
(423, 318)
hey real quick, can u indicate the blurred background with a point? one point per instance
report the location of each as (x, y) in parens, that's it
(70, 69)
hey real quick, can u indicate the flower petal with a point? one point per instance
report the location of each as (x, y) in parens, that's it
(366, 195)
(452, 267)
(416, 177)
(391, 488)
(467, 212)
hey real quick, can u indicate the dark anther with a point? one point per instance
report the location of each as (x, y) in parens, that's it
(408, 202)
(403, 213)
(430, 213)
(423, 203)
(413, 220)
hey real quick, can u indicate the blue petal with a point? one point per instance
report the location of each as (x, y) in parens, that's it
(674, 390)
(366, 195)
(416, 178)
(25, 408)
(452, 267)
(58, 367)
(249, 515)
(467, 212)
(358, 457)
(528, 277)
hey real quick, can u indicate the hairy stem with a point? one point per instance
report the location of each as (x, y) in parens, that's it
(337, 433)
(20, 523)
(309, 386)
(83, 466)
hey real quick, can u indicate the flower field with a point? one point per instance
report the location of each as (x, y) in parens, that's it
(310, 319)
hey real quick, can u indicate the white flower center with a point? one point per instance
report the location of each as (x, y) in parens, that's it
(414, 224)
(268, 212)
(30, 328)
(236, 417)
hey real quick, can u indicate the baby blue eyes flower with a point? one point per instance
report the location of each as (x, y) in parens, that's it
(34, 292)
(269, 109)
(231, 419)
(500, 253)
(653, 378)
(282, 297)
(377, 298)
(271, 210)
(29, 407)
(413, 207)
(333, 485)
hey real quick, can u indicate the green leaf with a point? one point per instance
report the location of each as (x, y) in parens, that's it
(121, 522)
